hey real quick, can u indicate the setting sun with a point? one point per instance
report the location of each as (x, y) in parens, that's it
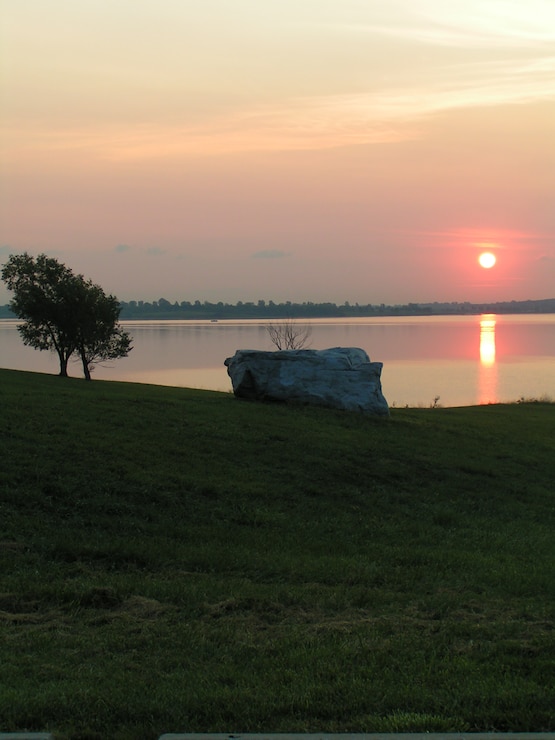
(487, 260)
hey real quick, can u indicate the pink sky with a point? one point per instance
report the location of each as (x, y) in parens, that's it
(283, 149)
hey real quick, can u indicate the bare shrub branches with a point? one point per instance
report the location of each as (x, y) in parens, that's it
(288, 334)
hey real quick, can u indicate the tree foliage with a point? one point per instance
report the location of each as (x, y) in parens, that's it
(64, 313)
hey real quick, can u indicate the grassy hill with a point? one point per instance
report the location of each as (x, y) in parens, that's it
(179, 560)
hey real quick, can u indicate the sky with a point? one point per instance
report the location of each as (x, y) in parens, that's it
(304, 150)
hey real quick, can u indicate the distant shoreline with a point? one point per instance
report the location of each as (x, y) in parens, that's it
(270, 311)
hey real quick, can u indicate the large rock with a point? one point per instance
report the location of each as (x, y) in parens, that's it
(342, 378)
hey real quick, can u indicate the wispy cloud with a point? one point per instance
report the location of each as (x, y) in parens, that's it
(313, 122)
(471, 24)
(510, 60)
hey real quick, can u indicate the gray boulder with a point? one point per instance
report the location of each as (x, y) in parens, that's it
(342, 378)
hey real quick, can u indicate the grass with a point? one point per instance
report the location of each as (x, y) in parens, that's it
(174, 560)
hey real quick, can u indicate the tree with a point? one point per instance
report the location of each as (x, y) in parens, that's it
(39, 286)
(63, 312)
(99, 337)
(289, 335)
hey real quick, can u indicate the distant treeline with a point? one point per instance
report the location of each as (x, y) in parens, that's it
(164, 309)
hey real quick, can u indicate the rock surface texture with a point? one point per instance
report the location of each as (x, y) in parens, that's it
(342, 378)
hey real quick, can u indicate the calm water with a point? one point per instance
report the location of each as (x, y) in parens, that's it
(463, 360)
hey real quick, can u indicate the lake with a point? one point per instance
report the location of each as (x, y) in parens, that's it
(445, 360)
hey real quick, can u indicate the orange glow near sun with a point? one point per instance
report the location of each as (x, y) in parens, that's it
(487, 260)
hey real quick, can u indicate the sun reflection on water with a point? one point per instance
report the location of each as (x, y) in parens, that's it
(487, 341)
(487, 386)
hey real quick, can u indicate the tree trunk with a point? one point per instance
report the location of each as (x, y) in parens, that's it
(63, 365)
(86, 368)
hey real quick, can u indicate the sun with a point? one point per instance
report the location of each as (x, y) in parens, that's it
(487, 260)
